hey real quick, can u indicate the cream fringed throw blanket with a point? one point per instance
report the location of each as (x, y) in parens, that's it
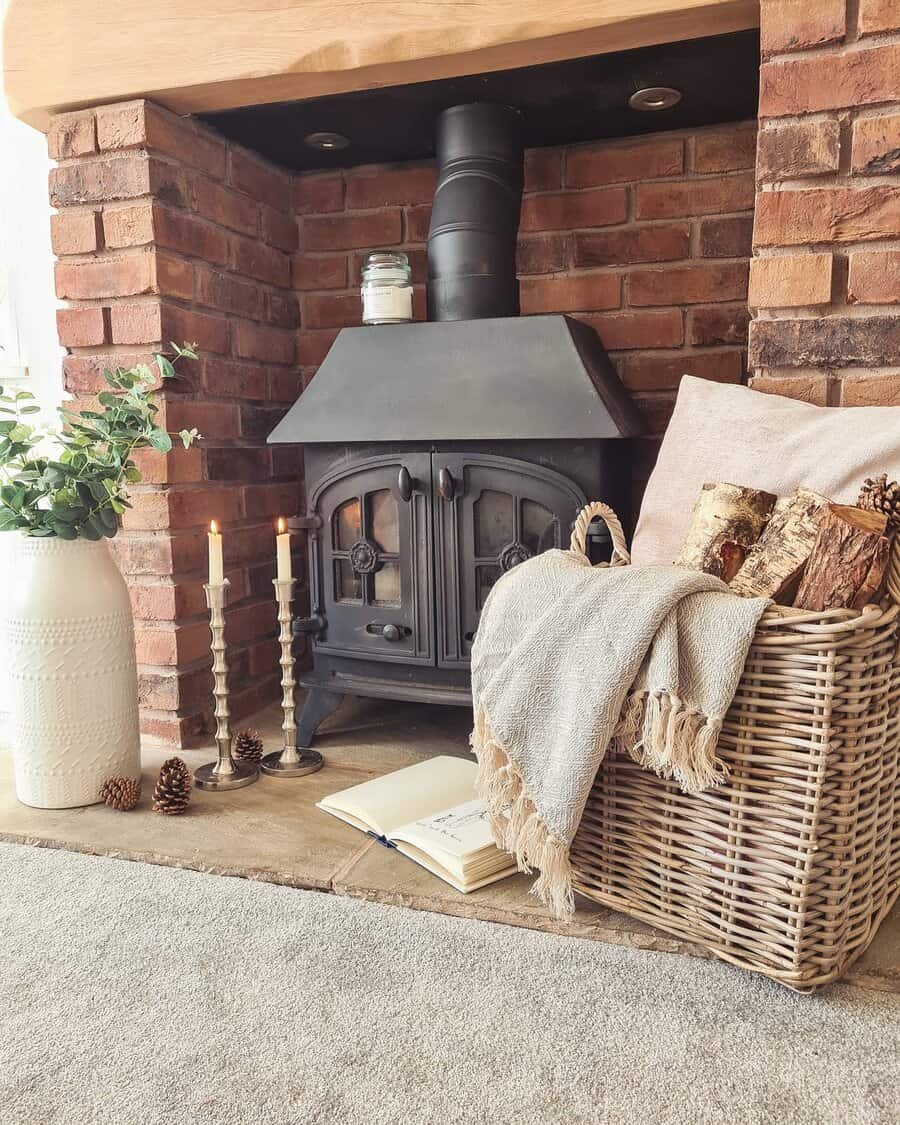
(569, 658)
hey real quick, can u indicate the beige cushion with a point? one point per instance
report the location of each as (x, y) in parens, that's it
(720, 432)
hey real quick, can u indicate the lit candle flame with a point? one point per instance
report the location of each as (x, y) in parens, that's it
(282, 526)
(213, 527)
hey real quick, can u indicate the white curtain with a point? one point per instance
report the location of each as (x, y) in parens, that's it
(26, 277)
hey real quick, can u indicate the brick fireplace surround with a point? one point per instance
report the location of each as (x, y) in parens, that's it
(166, 231)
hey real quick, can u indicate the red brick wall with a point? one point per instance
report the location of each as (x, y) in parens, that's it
(647, 240)
(166, 232)
(825, 282)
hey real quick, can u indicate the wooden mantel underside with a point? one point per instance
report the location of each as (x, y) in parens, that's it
(200, 55)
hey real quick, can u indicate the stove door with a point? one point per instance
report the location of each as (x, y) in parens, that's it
(373, 559)
(491, 513)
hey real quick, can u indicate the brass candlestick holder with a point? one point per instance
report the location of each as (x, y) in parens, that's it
(225, 772)
(290, 762)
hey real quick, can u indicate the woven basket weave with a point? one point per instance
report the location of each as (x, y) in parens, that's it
(790, 866)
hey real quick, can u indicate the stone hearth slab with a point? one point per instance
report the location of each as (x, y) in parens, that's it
(271, 831)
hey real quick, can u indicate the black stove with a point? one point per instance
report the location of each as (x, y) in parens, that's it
(439, 455)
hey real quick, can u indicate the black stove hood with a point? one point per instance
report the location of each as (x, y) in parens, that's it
(527, 377)
(476, 370)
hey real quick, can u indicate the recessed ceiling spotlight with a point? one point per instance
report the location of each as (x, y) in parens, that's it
(326, 142)
(655, 97)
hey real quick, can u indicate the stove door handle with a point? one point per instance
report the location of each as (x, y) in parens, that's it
(388, 632)
(405, 484)
(446, 484)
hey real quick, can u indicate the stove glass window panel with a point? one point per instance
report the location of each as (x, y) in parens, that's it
(347, 525)
(494, 522)
(386, 582)
(384, 521)
(383, 531)
(539, 527)
(485, 577)
(347, 583)
(367, 553)
(346, 530)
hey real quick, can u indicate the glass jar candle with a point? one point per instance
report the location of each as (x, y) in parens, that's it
(386, 290)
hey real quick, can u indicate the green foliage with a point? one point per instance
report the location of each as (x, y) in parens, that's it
(72, 482)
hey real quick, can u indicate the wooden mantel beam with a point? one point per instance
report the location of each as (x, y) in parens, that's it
(200, 55)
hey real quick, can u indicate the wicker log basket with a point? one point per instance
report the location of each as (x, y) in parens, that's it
(789, 867)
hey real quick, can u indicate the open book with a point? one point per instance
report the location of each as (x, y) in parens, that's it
(428, 812)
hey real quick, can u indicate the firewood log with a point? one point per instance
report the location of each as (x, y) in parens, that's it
(775, 562)
(726, 520)
(847, 561)
(874, 580)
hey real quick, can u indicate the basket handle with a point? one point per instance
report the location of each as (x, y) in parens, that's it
(620, 555)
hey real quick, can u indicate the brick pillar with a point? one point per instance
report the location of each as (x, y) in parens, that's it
(166, 232)
(825, 282)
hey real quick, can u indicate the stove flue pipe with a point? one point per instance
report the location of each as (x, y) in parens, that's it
(475, 215)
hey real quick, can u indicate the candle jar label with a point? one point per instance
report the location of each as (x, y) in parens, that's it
(387, 303)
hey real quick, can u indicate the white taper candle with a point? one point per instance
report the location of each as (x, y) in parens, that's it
(216, 562)
(283, 541)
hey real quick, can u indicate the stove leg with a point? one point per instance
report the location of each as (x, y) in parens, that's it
(318, 705)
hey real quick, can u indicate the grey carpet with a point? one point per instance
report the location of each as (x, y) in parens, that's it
(139, 994)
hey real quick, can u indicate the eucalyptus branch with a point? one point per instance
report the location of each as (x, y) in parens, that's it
(81, 492)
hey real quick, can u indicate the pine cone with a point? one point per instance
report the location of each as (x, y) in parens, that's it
(878, 494)
(173, 789)
(248, 745)
(121, 793)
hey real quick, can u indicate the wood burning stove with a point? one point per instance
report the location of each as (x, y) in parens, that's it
(437, 456)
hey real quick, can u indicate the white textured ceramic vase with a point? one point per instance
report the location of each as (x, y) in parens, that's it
(70, 644)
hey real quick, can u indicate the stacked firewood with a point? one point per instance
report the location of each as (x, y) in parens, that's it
(801, 550)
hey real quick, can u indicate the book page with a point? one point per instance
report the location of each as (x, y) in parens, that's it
(418, 791)
(458, 832)
(464, 883)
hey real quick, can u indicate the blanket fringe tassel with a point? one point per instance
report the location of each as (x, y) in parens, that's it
(655, 730)
(658, 732)
(517, 825)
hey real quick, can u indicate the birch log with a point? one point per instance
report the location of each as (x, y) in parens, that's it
(775, 562)
(848, 559)
(727, 519)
